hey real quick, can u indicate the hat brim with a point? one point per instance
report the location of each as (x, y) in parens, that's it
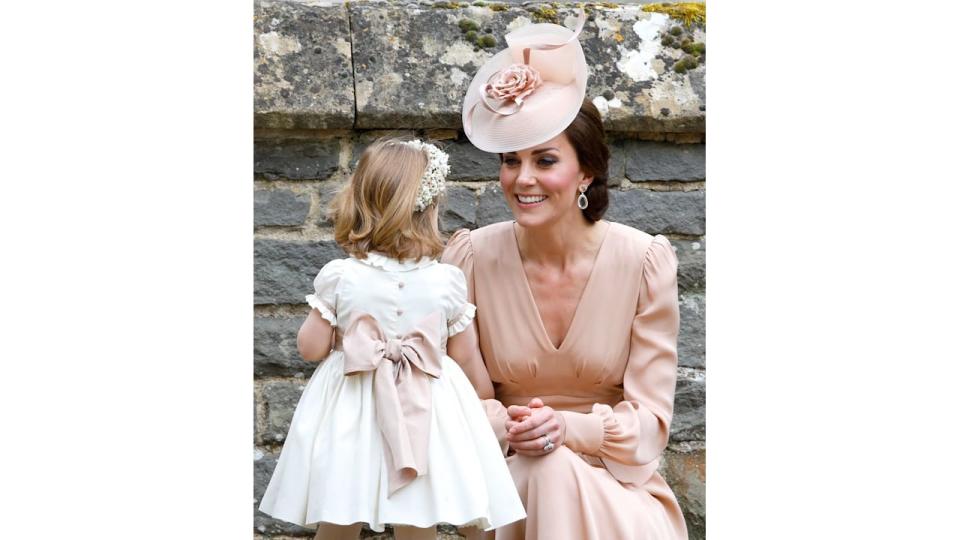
(545, 113)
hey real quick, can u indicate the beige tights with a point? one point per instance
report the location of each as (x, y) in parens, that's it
(329, 531)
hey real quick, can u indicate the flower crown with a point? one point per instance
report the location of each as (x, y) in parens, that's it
(433, 181)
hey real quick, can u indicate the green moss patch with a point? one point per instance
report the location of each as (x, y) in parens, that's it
(688, 12)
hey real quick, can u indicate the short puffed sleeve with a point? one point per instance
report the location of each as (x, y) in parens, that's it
(325, 286)
(459, 310)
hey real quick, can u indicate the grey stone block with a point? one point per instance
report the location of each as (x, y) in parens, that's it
(659, 212)
(636, 94)
(649, 161)
(303, 75)
(686, 473)
(279, 401)
(412, 65)
(328, 190)
(492, 207)
(692, 256)
(279, 207)
(295, 159)
(458, 209)
(618, 159)
(690, 346)
(275, 347)
(262, 523)
(283, 271)
(469, 163)
(689, 421)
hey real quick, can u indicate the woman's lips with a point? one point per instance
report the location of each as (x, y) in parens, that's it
(528, 201)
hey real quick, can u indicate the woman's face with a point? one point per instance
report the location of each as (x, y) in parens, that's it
(541, 183)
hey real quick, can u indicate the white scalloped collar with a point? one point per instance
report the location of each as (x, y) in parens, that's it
(379, 260)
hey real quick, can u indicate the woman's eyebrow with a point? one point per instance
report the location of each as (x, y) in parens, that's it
(542, 150)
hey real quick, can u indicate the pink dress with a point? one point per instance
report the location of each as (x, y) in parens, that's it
(612, 377)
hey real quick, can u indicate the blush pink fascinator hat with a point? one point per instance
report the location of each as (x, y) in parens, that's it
(529, 92)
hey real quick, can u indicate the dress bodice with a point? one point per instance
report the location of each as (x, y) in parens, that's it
(398, 294)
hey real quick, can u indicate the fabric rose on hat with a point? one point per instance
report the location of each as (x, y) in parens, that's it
(515, 83)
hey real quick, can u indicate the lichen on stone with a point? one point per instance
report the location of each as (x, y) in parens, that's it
(695, 49)
(467, 25)
(686, 63)
(498, 7)
(446, 5)
(688, 12)
(545, 14)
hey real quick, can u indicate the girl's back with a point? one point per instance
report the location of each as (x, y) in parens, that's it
(399, 295)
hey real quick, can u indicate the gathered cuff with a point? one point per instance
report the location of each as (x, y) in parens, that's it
(584, 432)
(324, 309)
(463, 320)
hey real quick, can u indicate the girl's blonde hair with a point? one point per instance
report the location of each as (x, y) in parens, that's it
(375, 210)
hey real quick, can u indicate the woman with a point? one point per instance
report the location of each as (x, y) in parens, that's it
(577, 317)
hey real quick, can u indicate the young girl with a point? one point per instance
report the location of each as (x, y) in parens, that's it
(389, 430)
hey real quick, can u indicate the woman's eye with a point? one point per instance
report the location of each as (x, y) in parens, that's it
(510, 162)
(546, 162)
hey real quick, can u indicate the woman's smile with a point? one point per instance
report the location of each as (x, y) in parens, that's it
(530, 201)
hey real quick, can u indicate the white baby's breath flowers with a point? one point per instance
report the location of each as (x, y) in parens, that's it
(433, 182)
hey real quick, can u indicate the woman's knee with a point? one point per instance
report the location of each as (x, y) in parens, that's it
(553, 468)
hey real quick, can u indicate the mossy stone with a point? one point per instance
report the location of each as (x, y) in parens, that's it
(487, 41)
(545, 14)
(676, 30)
(467, 25)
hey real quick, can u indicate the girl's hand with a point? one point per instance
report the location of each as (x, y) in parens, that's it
(529, 425)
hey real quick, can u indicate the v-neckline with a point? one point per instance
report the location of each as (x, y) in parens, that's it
(544, 335)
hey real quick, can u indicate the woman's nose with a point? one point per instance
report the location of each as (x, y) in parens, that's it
(527, 175)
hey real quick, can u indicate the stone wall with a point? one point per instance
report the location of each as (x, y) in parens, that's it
(331, 78)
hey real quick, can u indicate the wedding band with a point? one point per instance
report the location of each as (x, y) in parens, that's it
(549, 445)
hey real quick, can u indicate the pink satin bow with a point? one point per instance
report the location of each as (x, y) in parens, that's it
(402, 369)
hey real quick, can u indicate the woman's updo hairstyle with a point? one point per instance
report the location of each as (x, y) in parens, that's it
(587, 137)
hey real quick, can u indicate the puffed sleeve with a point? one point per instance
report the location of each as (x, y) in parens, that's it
(460, 312)
(325, 285)
(635, 431)
(459, 252)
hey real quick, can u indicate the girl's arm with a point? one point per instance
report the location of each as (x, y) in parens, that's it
(465, 349)
(315, 338)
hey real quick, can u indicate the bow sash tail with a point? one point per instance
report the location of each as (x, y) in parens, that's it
(401, 383)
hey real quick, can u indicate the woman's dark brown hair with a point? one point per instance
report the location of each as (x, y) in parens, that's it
(586, 135)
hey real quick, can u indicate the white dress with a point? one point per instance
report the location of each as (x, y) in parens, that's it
(333, 466)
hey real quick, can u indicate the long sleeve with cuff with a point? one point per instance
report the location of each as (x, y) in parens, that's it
(635, 431)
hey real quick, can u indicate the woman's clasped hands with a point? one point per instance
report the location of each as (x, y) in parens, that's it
(534, 430)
